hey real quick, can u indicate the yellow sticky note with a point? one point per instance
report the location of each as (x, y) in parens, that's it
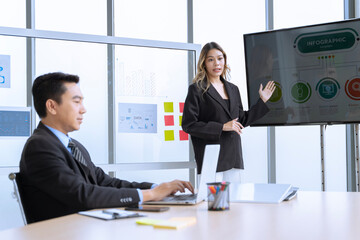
(168, 107)
(170, 224)
(147, 221)
(188, 220)
(176, 223)
(180, 120)
(169, 135)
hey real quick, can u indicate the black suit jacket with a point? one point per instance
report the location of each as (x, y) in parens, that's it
(204, 116)
(54, 184)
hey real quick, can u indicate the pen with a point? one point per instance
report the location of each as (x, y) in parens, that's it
(114, 214)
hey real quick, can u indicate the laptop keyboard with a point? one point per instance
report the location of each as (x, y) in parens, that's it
(182, 197)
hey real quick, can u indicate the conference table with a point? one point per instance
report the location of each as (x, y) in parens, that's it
(311, 215)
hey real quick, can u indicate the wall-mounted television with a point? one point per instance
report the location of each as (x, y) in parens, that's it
(316, 70)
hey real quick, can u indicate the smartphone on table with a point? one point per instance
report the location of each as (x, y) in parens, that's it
(147, 209)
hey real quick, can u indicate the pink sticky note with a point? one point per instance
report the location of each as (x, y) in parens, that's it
(169, 120)
(181, 107)
(183, 135)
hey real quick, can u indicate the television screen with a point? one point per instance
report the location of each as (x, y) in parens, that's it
(316, 70)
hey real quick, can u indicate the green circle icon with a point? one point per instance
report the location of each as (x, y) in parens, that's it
(300, 92)
(328, 88)
(277, 94)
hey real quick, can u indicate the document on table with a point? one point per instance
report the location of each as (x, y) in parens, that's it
(110, 214)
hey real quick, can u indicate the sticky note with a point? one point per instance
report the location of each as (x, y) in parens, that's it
(183, 136)
(172, 223)
(169, 135)
(180, 120)
(147, 221)
(188, 220)
(181, 107)
(175, 223)
(169, 120)
(168, 107)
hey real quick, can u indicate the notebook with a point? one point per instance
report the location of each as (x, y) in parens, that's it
(208, 173)
(261, 192)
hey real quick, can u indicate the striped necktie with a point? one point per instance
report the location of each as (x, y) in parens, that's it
(76, 153)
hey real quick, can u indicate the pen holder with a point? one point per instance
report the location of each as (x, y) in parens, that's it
(218, 196)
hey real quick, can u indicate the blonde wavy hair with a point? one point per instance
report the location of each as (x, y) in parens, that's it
(201, 75)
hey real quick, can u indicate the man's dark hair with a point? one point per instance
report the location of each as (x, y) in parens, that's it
(50, 86)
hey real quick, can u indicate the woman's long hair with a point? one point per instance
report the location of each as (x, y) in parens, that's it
(201, 75)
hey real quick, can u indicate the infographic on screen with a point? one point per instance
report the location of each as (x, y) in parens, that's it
(316, 70)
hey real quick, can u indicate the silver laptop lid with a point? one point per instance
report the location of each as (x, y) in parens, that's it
(208, 171)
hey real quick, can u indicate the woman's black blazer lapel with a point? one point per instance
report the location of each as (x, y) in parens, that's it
(233, 99)
(216, 96)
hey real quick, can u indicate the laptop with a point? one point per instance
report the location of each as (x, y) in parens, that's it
(208, 173)
(261, 192)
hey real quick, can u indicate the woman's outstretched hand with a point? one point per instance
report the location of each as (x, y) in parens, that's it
(233, 125)
(265, 93)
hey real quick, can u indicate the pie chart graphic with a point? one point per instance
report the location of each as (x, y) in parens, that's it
(352, 88)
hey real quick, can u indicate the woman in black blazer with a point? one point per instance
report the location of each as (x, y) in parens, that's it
(213, 112)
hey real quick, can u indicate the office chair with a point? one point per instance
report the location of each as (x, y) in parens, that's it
(14, 177)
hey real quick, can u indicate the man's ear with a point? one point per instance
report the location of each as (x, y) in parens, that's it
(51, 106)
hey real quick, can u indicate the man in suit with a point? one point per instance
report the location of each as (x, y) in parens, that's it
(56, 172)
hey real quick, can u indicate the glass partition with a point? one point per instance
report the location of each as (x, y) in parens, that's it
(88, 61)
(12, 94)
(150, 87)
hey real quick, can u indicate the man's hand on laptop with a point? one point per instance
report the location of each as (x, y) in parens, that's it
(166, 189)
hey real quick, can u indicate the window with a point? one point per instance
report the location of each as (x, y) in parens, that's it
(88, 61)
(13, 13)
(225, 23)
(298, 158)
(80, 16)
(157, 19)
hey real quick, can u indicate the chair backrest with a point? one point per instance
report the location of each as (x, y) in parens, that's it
(14, 177)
